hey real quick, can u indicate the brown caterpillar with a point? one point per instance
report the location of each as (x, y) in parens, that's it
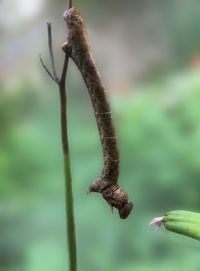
(77, 47)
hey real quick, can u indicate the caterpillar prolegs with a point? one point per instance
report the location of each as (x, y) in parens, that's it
(77, 47)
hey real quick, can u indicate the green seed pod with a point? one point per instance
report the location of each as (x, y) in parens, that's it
(182, 222)
(189, 229)
(182, 216)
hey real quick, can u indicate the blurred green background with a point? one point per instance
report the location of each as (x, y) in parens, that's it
(148, 53)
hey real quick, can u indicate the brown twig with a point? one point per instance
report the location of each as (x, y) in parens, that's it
(47, 70)
(69, 4)
(63, 107)
(51, 50)
(54, 75)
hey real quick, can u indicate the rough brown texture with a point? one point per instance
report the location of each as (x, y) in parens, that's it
(78, 49)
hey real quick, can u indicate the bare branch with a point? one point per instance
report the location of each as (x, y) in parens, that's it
(47, 70)
(51, 50)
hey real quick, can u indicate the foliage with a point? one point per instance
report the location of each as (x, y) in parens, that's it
(158, 128)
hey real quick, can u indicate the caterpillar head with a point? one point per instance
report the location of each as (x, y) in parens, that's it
(118, 198)
(125, 210)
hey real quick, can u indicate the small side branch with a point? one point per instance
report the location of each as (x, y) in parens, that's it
(47, 70)
(53, 76)
(51, 50)
(59, 81)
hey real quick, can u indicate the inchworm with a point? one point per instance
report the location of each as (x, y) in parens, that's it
(77, 47)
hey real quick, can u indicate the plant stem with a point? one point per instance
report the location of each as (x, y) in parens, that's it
(69, 4)
(68, 177)
(67, 170)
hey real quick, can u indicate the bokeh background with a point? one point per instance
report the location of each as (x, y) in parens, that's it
(148, 53)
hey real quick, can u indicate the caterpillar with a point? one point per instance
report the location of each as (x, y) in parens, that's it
(78, 49)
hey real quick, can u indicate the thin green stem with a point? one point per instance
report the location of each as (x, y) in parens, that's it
(68, 178)
(70, 215)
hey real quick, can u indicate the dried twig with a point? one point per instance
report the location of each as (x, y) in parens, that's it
(51, 50)
(46, 69)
